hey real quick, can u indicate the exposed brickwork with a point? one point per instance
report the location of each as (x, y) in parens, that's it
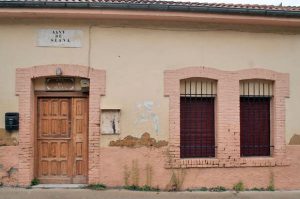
(8, 165)
(227, 117)
(24, 89)
(115, 159)
(134, 142)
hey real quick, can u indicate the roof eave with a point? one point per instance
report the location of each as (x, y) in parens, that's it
(149, 7)
(72, 13)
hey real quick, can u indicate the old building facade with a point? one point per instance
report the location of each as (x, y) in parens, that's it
(134, 92)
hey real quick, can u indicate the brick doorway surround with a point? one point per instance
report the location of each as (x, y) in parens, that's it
(24, 89)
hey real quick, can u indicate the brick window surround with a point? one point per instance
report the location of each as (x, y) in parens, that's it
(227, 117)
(24, 89)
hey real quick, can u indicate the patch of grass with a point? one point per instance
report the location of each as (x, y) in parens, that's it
(217, 189)
(35, 181)
(257, 189)
(239, 187)
(96, 187)
(143, 188)
(198, 189)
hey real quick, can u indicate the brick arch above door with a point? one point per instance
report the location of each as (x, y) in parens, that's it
(24, 89)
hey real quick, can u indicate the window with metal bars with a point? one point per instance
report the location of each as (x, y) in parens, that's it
(255, 117)
(197, 118)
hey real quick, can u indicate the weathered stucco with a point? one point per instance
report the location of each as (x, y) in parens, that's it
(135, 57)
(134, 142)
(295, 140)
(8, 138)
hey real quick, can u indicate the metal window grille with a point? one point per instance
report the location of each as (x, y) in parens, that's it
(255, 129)
(197, 118)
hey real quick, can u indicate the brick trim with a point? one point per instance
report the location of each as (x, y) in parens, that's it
(227, 117)
(24, 89)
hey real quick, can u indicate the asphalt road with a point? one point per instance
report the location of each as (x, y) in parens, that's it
(16, 193)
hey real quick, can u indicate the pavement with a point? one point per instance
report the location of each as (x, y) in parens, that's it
(16, 193)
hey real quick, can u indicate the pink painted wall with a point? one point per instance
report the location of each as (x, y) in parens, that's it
(114, 159)
(8, 162)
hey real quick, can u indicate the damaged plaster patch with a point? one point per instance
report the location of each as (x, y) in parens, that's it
(7, 138)
(295, 140)
(146, 114)
(8, 176)
(110, 121)
(134, 142)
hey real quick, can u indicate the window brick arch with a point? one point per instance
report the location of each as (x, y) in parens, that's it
(227, 116)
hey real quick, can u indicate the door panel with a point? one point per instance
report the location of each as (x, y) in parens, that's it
(80, 139)
(62, 140)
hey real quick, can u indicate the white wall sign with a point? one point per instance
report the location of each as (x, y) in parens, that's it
(59, 38)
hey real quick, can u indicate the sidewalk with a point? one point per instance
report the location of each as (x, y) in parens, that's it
(16, 193)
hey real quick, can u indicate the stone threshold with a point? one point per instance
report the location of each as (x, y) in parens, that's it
(59, 186)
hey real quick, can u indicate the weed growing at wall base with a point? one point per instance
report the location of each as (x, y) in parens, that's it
(176, 180)
(198, 189)
(239, 187)
(271, 186)
(96, 187)
(35, 181)
(256, 189)
(217, 189)
(143, 188)
(211, 189)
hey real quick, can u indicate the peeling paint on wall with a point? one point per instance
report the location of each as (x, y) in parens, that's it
(295, 140)
(8, 138)
(145, 113)
(134, 142)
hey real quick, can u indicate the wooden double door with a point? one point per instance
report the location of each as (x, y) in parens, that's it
(62, 131)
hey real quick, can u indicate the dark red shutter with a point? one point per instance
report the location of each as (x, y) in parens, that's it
(255, 126)
(197, 127)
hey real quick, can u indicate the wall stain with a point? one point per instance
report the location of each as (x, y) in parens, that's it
(134, 142)
(8, 138)
(295, 140)
(145, 113)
